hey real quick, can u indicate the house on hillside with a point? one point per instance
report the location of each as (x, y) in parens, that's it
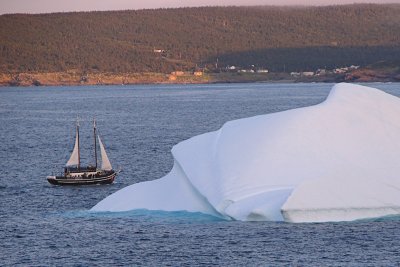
(158, 50)
(295, 74)
(246, 71)
(231, 68)
(353, 67)
(340, 70)
(345, 69)
(177, 73)
(262, 71)
(320, 72)
(307, 73)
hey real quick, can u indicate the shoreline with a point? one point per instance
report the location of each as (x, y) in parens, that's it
(76, 78)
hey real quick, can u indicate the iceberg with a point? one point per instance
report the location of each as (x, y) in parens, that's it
(335, 161)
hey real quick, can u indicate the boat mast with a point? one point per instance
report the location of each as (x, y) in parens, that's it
(95, 143)
(77, 136)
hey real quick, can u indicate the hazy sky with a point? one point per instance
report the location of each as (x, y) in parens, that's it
(46, 6)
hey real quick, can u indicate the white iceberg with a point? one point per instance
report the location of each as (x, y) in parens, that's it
(335, 161)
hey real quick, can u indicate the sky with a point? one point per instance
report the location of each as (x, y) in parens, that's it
(47, 6)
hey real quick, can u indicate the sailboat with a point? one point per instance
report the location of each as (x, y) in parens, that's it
(75, 174)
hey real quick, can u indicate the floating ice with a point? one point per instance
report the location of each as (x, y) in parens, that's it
(335, 161)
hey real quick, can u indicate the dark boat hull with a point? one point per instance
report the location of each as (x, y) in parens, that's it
(102, 179)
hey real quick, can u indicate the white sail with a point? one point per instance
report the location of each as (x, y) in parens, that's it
(105, 162)
(74, 159)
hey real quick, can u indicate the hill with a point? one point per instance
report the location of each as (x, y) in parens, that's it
(281, 39)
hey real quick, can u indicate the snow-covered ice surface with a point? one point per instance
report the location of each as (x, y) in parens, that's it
(335, 161)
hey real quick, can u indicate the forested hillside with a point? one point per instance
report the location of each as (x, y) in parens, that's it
(164, 40)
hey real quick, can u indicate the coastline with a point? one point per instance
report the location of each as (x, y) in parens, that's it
(76, 78)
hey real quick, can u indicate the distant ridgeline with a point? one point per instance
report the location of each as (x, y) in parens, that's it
(280, 39)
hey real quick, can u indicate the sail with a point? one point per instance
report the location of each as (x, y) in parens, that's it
(74, 159)
(105, 162)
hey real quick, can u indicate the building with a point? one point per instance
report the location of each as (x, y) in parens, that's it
(262, 71)
(295, 74)
(307, 73)
(198, 73)
(177, 73)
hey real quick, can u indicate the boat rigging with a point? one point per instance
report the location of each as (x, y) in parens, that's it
(75, 174)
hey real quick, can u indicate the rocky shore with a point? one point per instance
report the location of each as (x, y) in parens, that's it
(74, 78)
(77, 78)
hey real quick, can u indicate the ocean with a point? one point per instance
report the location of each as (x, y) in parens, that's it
(45, 225)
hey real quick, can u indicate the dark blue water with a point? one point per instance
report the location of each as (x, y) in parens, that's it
(44, 225)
